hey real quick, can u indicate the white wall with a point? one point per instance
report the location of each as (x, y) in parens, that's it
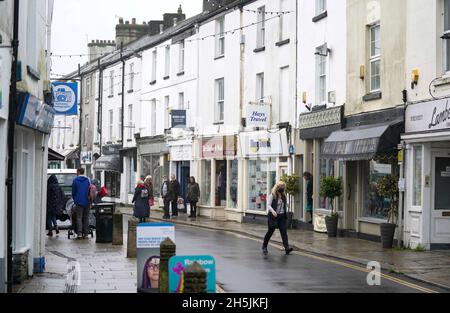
(330, 30)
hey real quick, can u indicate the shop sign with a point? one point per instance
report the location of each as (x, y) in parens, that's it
(265, 144)
(86, 157)
(428, 116)
(148, 241)
(257, 115)
(35, 114)
(219, 147)
(65, 98)
(446, 173)
(178, 264)
(181, 153)
(178, 118)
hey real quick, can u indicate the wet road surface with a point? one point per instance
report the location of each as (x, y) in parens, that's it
(241, 267)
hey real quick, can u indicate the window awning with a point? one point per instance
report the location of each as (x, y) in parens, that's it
(109, 163)
(364, 143)
(54, 156)
(73, 155)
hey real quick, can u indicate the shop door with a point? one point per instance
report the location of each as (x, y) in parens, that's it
(184, 175)
(351, 195)
(440, 204)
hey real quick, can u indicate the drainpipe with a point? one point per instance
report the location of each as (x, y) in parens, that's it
(123, 93)
(241, 64)
(100, 105)
(11, 129)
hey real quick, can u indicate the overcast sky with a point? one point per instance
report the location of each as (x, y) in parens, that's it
(77, 22)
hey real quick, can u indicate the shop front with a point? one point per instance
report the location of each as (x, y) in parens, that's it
(315, 127)
(153, 160)
(180, 162)
(427, 171)
(266, 160)
(128, 161)
(219, 176)
(109, 167)
(368, 146)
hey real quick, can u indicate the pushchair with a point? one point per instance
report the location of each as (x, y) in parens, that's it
(72, 213)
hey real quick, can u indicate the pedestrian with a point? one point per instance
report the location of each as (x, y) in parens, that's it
(165, 196)
(55, 204)
(98, 198)
(80, 194)
(309, 194)
(193, 195)
(148, 182)
(277, 218)
(174, 194)
(141, 202)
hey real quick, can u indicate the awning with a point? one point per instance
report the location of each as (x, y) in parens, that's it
(54, 156)
(109, 163)
(364, 143)
(73, 155)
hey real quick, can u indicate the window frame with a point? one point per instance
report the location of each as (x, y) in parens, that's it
(153, 117)
(321, 6)
(181, 101)
(220, 103)
(374, 58)
(154, 64)
(130, 121)
(261, 28)
(220, 37)
(131, 81)
(445, 42)
(111, 83)
(167, 61)
(321, 79)
(260, 80)
(181, 58)
(111, 124)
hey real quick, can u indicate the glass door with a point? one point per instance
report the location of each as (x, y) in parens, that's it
(440, 209)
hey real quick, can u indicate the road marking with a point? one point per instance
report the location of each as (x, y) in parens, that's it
(330, 260)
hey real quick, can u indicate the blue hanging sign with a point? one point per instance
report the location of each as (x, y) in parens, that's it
(65, 98)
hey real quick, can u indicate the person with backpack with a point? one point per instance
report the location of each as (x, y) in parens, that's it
(82, 193)
(141, 201)
(55, 204)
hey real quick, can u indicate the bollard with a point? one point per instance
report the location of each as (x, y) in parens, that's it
(131, 241)
(194, 279)
(117, 229)
(167, 250)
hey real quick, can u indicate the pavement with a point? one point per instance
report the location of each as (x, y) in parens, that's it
(431, 267)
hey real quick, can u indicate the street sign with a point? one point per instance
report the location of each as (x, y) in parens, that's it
(65, 98)
(86, 157)
(178, 264)
(149, 237)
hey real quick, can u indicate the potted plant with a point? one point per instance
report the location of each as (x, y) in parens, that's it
(331, 188)
(388, 188)
(292, 189)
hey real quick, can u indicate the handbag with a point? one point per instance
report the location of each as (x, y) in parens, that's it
(152, 202)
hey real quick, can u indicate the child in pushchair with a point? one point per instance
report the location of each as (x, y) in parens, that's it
(72, 213)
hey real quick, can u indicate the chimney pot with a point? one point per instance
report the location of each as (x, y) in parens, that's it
(133, 21)
(121, 20)
(175, 20)
(161, 28)
(127, 22)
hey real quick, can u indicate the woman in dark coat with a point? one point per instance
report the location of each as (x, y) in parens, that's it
(193, 196)
(141, 202)
(55, 204)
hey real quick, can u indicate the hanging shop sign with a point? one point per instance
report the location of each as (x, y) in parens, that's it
(86, 157)
(149, 237)
(219, 147)
(259, 144)
(178, 264)
(34, 113)
(428, 116)
(257, 115)
(178, 118)
(181, 153)
(65, 98)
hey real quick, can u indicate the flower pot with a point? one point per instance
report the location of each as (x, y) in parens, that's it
(332, 225)
(387, 231)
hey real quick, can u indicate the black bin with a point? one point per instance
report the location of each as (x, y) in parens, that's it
(104, 222)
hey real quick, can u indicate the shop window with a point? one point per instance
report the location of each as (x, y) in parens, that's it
(375, 206)
(112, 182)
(131, 176)
(262, 177)
(417, 178)
(341, 174)
(206, 183)
(232, 203)
(326, 169)
(151, 166)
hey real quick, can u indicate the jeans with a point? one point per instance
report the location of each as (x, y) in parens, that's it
(51, 222)
(175, 208)
(166, 208)
(282, 226)
(193, 205)
(82, 220)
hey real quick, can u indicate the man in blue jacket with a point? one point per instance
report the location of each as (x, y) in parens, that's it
(80, 195)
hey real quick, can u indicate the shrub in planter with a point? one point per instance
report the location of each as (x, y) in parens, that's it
(292, 189)
(331, 188)
(388, 188)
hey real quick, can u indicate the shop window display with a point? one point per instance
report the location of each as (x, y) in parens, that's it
(262, 177)
(232, 203)
(326, 169)
(206, 183)
(375, 206)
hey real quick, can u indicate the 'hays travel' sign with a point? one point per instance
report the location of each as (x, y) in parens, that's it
(428, 116)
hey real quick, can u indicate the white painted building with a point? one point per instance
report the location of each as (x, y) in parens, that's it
(31, 133)
(427, 138)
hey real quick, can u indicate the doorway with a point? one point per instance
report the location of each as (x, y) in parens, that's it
(440, 199)
(221, 183)
(183, 174)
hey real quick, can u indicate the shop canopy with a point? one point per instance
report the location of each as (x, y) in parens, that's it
(109, 163)
(54, 156)
(364, 143)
